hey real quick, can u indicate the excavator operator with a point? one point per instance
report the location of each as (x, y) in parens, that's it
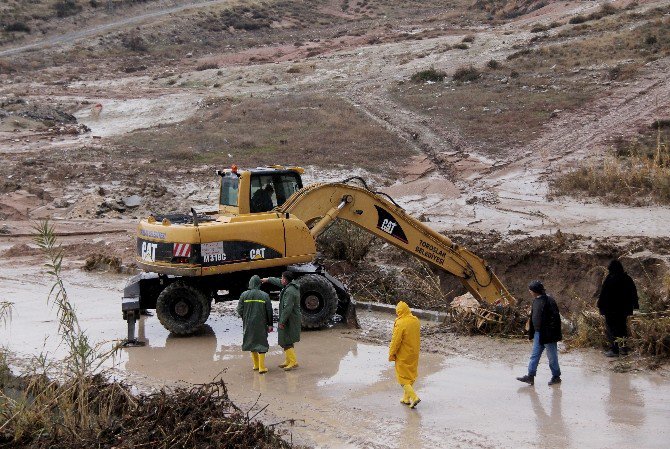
(261, 201)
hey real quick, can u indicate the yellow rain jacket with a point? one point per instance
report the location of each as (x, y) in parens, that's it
(404, 348)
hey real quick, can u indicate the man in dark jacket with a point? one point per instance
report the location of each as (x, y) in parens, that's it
(617, 300)
(255, 309)
(545, 331)
(290, 317)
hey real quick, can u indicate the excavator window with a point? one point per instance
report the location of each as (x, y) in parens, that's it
(286, 185)
(270, 190)
(229, 188)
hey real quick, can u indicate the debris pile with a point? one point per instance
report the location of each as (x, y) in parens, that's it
(470, 317)
(92, 412)
(69, 130)
(102, 262)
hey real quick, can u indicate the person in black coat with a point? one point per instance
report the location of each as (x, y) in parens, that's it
(617, 300)
(545, 331)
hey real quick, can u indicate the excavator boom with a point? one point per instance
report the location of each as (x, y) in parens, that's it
(319, 204)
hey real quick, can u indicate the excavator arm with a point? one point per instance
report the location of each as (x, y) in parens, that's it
(318, 205)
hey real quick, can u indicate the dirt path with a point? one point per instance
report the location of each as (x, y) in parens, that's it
(346, 396)
(74, 36)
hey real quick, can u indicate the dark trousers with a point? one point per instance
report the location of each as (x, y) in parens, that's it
(616, 327)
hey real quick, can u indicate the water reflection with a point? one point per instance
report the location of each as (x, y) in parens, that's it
(410, 433)
(177, 359)
(551, 428)
(624, 404)
(216, 347)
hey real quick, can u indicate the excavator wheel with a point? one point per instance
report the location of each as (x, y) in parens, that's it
(318, 300)
(182, 308)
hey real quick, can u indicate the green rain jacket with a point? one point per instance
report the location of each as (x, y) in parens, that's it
(289, 312)
(255, 309)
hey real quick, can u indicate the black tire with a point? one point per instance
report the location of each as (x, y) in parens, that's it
(182, 308)
(318, 300)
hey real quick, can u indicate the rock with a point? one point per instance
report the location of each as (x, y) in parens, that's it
(133, 201)
(101, 191)
(5, 230)
(61, 203)
(113, 205)
(465, 302)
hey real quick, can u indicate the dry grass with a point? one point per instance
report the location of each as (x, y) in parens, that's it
(650, 334)
(638, 173)
(589, 330)
(302, 130)
(492, 114)
(605, 45)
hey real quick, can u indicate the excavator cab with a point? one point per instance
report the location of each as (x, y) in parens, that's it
(257, 190)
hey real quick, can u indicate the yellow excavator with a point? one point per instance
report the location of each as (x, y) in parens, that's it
(267, 222)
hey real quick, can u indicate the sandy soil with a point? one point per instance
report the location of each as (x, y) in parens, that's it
(344, 394)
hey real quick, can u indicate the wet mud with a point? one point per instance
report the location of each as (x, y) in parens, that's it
(344, 393)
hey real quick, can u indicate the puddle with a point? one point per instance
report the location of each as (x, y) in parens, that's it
(344, 393)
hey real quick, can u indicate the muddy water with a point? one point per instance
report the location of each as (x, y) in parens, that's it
(344, 394)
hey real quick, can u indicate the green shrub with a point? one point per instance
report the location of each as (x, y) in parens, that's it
(463, 74)
(493, 64)
(207, 66)
(135, 42)
(67, 8)
(578, 19)
(19, 27)
(430, 74)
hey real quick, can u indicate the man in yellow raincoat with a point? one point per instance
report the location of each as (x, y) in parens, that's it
(404, 351)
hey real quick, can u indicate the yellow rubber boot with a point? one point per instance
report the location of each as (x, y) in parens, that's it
(405, 397)
(413, 398)
(261, 364)
(292, 360)
(286, 360)
(254, 357)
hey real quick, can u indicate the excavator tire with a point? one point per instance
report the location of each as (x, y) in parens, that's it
(318, 300)
(182, 308)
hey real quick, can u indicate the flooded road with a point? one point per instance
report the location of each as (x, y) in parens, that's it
(344, 394)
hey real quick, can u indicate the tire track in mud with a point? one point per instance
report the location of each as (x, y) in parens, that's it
(623, 110)
(408, 126)
(584, 134)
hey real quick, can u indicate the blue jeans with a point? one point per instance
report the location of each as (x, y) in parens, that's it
(552, 355)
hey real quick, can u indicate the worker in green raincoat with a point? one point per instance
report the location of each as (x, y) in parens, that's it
(290, 317)
(255, 309)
